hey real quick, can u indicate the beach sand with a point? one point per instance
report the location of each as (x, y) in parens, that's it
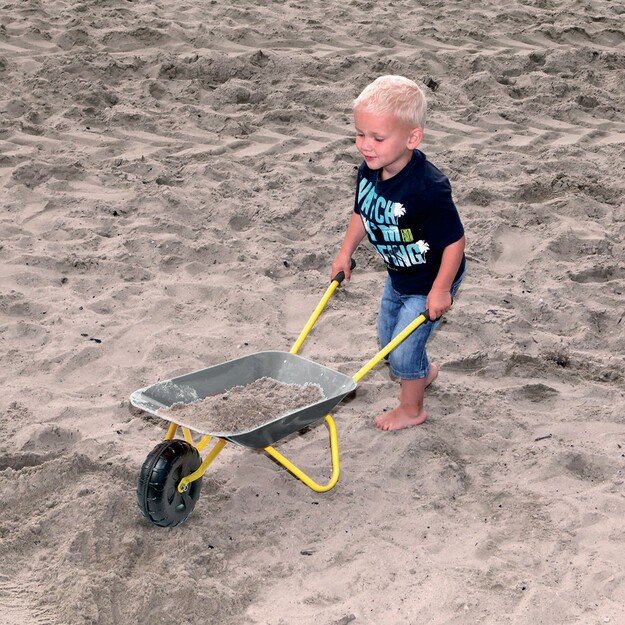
(175, 179)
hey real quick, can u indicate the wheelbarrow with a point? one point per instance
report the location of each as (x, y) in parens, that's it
(170, 479)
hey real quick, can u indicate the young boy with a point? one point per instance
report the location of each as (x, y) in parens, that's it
(404, 205)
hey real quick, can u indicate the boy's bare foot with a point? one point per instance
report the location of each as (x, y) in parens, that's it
(406, 416)
(399, 419)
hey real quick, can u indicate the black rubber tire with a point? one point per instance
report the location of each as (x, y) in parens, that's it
(157, 493)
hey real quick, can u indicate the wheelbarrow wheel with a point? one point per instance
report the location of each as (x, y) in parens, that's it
(157, 492)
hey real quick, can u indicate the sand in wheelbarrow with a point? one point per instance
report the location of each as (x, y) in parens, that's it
(244, 408)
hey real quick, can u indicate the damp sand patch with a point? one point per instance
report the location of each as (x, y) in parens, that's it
(243, 408)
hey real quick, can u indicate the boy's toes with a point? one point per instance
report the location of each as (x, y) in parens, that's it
(379, 421)
(382, 421)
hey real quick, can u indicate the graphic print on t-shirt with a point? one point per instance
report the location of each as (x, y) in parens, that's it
(381, 220)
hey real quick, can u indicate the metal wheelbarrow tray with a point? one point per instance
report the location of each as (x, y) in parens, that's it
(281, 366)
(170, 479)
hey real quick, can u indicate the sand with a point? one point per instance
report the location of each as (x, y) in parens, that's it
(175, 178)
(243, 408)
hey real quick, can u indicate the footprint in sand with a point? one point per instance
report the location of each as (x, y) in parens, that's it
(598, 274)
(37, 444)
(512, 249)
(536, 393)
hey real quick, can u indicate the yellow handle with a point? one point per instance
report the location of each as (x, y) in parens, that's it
(313, 318)
(400, 338)
(334, 283)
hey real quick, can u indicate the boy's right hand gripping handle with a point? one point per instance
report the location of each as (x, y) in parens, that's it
(340, 276)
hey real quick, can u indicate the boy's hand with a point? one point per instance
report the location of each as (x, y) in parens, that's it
(438, 303)
(344, 264)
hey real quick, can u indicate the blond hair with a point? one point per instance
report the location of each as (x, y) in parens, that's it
(394, 95)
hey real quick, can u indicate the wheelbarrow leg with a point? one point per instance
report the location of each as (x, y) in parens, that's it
(183, 485)
(171, 433)
(299, 474)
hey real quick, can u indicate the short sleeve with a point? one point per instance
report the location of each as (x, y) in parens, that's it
(442, 226)
(356, 187)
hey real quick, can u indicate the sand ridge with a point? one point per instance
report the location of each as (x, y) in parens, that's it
(175, 179)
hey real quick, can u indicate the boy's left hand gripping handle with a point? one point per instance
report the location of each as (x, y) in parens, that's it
(340, 276)
(426, 314)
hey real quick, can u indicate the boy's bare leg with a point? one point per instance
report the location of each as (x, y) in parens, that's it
(410, 410)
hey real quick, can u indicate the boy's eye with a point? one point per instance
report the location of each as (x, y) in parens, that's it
(378, 139)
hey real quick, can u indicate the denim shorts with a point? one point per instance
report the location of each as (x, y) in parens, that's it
(409, 359)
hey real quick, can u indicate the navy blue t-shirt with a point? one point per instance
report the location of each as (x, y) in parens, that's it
(410, 219)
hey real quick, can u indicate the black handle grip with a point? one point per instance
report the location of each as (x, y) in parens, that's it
(426, 313)
(340, 276)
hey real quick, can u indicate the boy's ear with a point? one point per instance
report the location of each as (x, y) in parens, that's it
(414, 138)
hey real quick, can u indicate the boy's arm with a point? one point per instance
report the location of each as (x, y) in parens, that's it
(439, 297)
(354, 234)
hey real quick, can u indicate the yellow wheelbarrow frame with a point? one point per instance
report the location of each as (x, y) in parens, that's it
(329, 421)
(192, 472)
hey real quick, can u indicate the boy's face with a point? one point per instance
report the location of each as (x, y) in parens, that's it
(385, 142)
